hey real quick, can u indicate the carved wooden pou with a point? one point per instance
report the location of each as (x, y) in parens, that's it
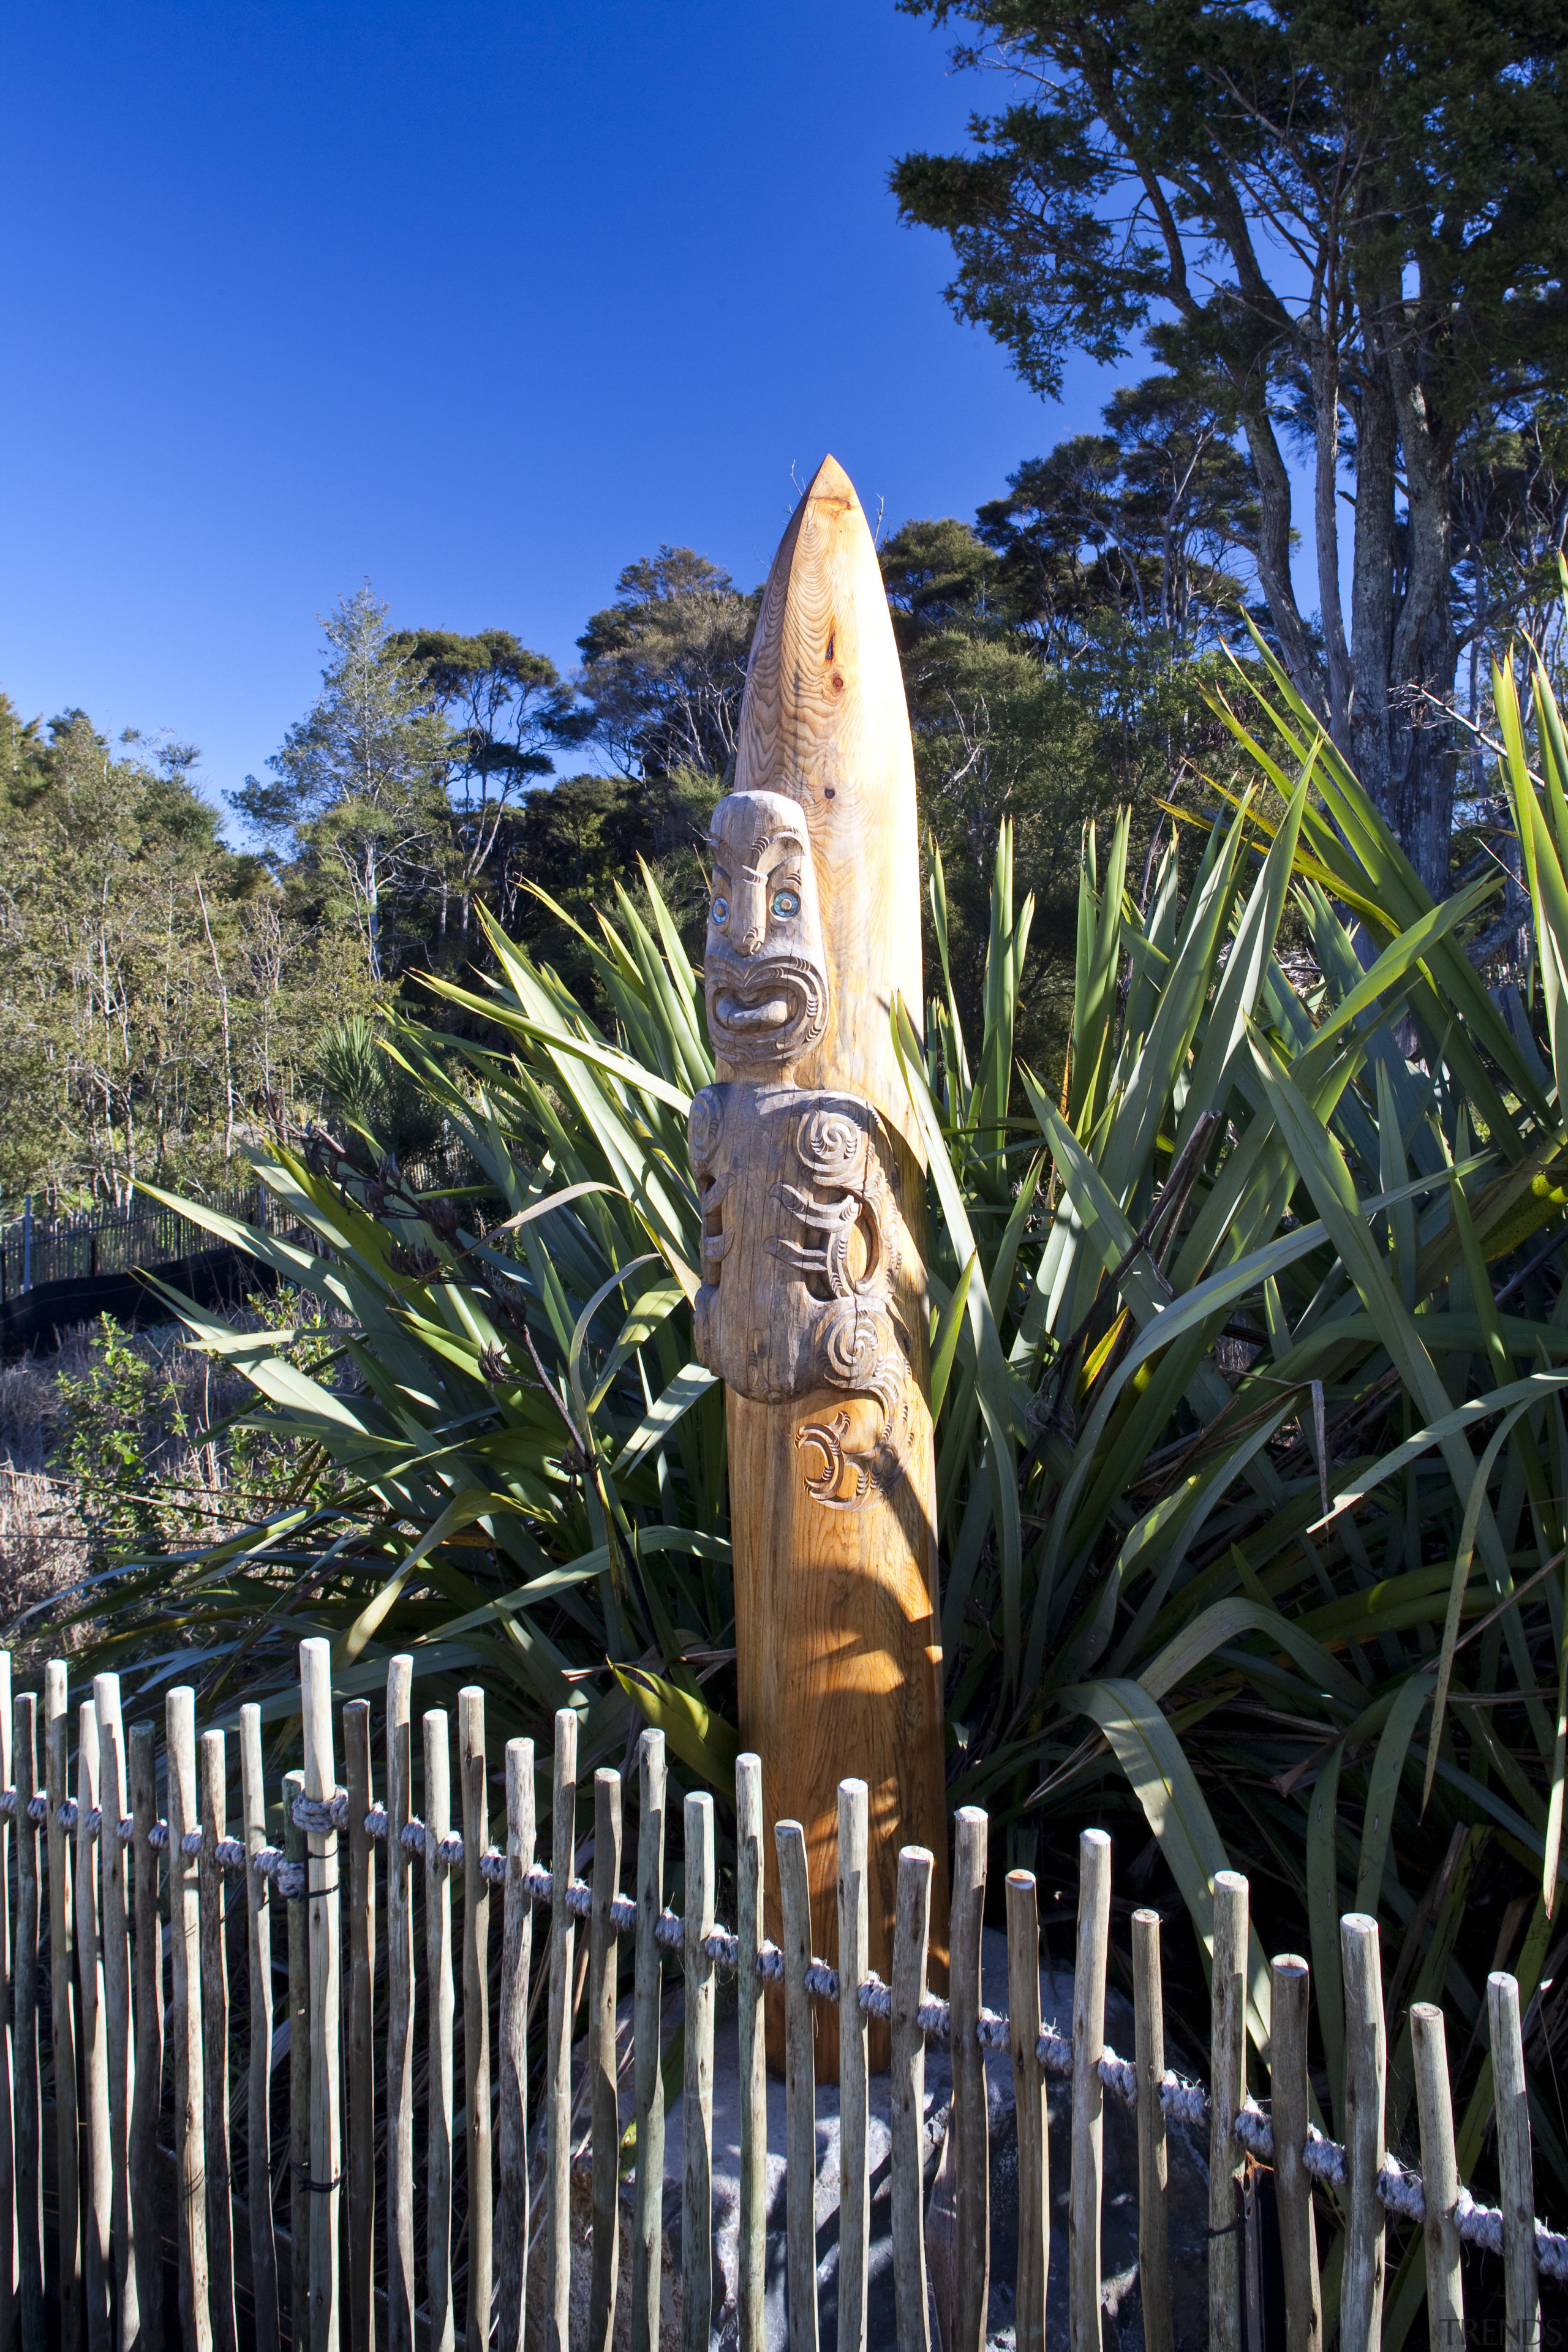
(812, 1308)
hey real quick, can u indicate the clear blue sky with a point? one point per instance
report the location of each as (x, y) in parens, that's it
(480, 302)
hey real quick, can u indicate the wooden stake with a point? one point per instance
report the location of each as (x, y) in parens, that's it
(853, 2105)
(299, 2068)
(114, 1915)
(1087, 2090)
(971, 2124)
(558, 2058)
(100, 2214)
(25, 2031)
(800, 2095)
(838, 1631)
(604, 2105)
(906, 2099)
(8, 2272)
(1029, 2106)
(1228, 2063)
(477, 2014)
(1290, 2112)
(361, 2006)
(1439, 2176)
(258, 2081)
(517, 1947)
(212, 1798)
(1149, 2045)
(147, 2097)
(1511, 2096)
(1366, 2060)
(697, 2095)
(400, 2285)
(648, 2216)
(326, 1996)
(62, 2013)
(185, 2016)
(439, 1999)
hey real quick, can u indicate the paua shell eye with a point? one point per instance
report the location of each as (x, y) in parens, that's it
(787, 904)
(720, 911)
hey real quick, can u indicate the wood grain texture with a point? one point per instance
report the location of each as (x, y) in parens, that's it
(1439, 2174)
(93, 2047)
(558, 2051)
(1516, 2177)
(906, 2100)
(300, 2057)
(1290, 2110)
(1366, 2068)
(697, 2092)
(259, 2080)
(477, 2014)
(1227, 2061)
(853, 2102)
(603, 2105)
(517, 1952)
(439, 2015)
(800, 2092)
(400, 2281)
(25, 2031)
(838, 1631)
(1087, 2090)
(325, 1904)
(62, 2009)
(211, 1795)
(1153, 2164)
(185, 2016)
(360, 2003)
(147, 2100)
(1029, 2107)
(971, 2126)
(115, 1917)
(647, 2085)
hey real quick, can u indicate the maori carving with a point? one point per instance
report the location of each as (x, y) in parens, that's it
(765, 973)
(803, 1249)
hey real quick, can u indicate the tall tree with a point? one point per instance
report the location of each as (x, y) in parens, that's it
(1342, 218)
(665, 665)
(358, 788)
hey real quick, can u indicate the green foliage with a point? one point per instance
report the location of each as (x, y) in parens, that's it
(111, 1420)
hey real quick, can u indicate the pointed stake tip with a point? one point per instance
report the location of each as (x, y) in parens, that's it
(831, 481)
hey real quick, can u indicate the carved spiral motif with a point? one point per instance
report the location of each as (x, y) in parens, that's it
(830, 1143)
(849, 1344)
(704, 1126)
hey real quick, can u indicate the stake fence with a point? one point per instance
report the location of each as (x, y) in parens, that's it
(104, 1870)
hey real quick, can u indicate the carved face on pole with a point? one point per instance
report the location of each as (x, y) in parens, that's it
(764, 973)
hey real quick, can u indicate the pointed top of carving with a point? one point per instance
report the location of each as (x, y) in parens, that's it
(830, 482)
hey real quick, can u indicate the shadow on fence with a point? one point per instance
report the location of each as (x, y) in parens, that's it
(311, 2193)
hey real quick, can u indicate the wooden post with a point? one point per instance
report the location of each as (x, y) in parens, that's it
(1366, 2060)
(100, 2214)
(400, 2285)
(299, 2056)
(1149, 2059)
(62, 2015)
(476, 2012)
(1510, 2096)
(147, 2098)
(439, 2010)
(213, 1797)
(648, 2222)
(7, 2119)
(25, 2031)
(800, 2096)
(558, 2056)
(361, 2006)
(1087, 2090)
(326, 1996)
(697, 2090)
(185, 2016)
(604, 2106)
(906, 2099)
(1439, 2178)
(517, 1950)
(853, 2102)
(114, 1912)
(1227, 2075)
(808, 1157)
(1289, 2113)
(971, 2124)
(258, 2085)
(1029, 2106)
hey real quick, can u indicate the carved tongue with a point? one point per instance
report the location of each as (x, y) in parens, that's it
(768, 1012)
